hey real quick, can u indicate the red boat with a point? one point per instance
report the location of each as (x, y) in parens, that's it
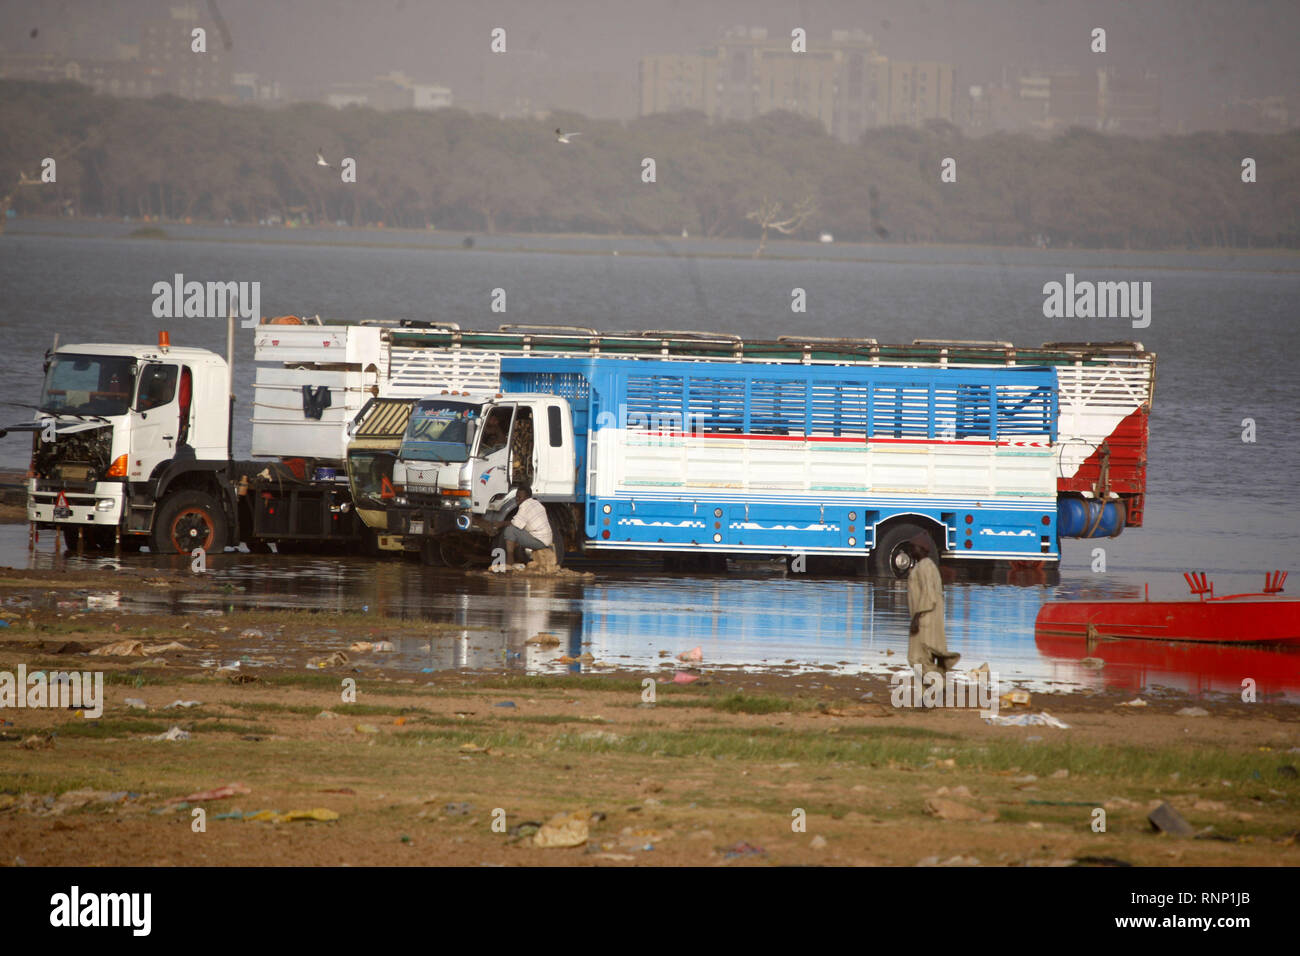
(1260, 618)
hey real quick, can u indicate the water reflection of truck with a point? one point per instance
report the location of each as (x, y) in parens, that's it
(752, 458)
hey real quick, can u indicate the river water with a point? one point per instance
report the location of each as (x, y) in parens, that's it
(1222, 325)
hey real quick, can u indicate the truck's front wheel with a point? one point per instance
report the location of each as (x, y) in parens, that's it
(189, 520)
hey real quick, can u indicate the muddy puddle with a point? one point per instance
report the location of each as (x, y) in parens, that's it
(632, 615)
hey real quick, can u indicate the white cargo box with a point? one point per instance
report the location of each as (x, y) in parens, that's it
(281, 425)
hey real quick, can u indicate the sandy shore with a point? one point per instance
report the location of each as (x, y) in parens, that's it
(464, 767)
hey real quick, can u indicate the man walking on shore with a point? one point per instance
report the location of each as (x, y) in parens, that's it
(927, 646)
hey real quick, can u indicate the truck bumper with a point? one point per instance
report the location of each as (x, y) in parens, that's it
(103, 506)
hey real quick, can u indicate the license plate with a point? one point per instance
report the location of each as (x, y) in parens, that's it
(417, 527)
(62, 512)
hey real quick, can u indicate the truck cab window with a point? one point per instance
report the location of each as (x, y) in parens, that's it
(496, 431)
(157, 386)
(521, 449)
(554, 426)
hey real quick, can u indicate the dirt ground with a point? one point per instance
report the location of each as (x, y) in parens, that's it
(471, 768)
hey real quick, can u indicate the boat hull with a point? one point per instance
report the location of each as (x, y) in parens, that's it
(1254, 620)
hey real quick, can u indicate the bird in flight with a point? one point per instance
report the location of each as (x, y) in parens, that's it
(320, 158)
(561, 137)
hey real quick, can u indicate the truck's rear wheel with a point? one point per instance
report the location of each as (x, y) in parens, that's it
(889, 557)
(189, 520)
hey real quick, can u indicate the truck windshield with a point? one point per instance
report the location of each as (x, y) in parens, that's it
(439, 431)
(88, 385)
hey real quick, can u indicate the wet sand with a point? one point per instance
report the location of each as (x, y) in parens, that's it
(721, 771)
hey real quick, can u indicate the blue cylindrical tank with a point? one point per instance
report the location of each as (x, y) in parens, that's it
(1075, 515)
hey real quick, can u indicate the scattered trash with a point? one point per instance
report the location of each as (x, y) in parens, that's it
(183, 703)
(1061, 774)
(694, 654)
(1027, 720)
(174, 734)
(1192, 712)
(1135, 702)
(458, 809)
(135, 703)
(603, 736)
(337, 659)
(318, 813)
(505, 703)
(1013, 698)
(564, 830)
(681, 677)
(366, 729)
(120, 649)
(741, 849)
(165, 648)
(108, 599)
(472, 749)
(818, 842)
(218, 793)
(1168, 820)
(251, 634)
(38, 742)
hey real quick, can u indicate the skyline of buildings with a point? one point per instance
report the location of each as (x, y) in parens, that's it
(843, 80)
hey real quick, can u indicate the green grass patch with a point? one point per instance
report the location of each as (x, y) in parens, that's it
(222, 727)
(118, 727)
(268, 707)
(375, 710)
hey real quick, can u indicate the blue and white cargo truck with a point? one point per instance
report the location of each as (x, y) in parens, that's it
(742, 459)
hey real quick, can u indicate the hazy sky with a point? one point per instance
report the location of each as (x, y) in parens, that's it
(1203, 49)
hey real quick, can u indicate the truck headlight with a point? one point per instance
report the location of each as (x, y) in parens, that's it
(104, 504)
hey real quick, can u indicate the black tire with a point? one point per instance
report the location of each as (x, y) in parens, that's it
(455, 552)
(888, 558)
(559, 542)
(188, 520)
(431, 553)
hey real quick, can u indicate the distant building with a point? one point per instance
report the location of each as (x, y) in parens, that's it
(1104, 100)
(392, 91)
(671, 82)
(249, 89)
(919, 91)
(846, 84)
(166, 49)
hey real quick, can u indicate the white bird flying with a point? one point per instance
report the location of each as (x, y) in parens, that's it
(320, 158)
(561, 137)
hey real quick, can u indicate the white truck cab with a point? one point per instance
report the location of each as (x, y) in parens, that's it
(463, 453)
(118, 413)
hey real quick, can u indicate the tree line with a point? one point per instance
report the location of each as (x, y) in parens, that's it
(172, 159)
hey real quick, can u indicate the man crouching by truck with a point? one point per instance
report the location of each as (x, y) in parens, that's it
(529, 528)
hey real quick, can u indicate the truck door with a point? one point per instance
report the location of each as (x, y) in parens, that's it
(492, 479)
(155, 419)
